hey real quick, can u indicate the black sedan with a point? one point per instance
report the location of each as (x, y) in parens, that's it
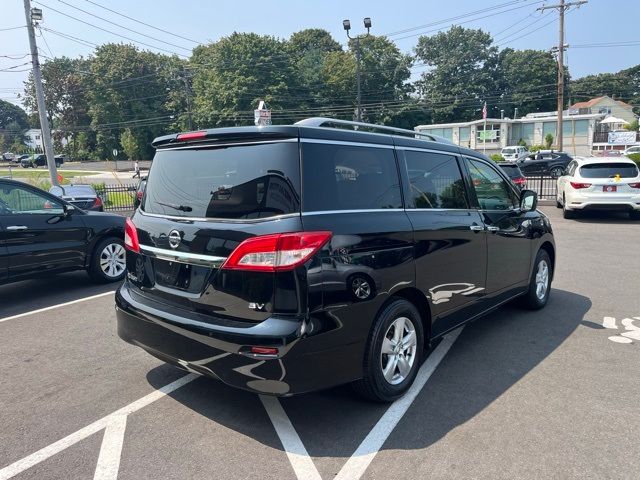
(81, 196)
(39, 160)
(545, 162)
(41, 233)
(514, 172)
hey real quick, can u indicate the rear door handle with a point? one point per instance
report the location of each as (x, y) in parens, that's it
(17, 228)
(476, 228)
(493, 229)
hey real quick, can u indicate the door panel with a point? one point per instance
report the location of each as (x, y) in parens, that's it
(4, 257)
(450, 241)
(508, 242)
(37, 234)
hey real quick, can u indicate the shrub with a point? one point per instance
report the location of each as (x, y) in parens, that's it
(522, 143)
(535, 148)
(635, 157)
(548, 140)
(496, 157)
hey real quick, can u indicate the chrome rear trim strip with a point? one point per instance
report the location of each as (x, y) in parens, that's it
(183, 257)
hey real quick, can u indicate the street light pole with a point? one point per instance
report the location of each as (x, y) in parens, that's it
(32, 16)
(347, 26)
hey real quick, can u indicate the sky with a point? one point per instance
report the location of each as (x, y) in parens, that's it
(516, 24)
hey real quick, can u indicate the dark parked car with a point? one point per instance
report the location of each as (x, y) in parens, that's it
(514, 173)
(39, 160)
(545, 162)
(285, 259)
(81, 196)
(140, 192)
(41, 233)
(8, 156)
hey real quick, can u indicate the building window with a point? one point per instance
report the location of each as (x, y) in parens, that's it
(441, 132)
(465, 134)
(605, 110)
(549, 128)
(37, 137)
(491, 134)
(527, 132)
(567, 128)
(581, 128)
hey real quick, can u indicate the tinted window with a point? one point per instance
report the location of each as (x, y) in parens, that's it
(512, 170)
(343, 177)
(434, 181)
(492, 190)
(19, 200)
(240, 182)
(606, 170)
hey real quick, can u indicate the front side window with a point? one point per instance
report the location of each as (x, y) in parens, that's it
(491, 189)
(435, 181)
(20, 200)
(345, 177)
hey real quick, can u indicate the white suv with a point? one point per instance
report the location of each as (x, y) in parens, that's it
(514, 153)
(630, 150)
(595, 183)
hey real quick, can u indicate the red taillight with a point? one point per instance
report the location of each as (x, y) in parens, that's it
(97, 203)
(264, 351)
(578, 186)
(519, 181)
(635, 185)
(281, 251)
(184, 137)
(131, 236)
(139, 194)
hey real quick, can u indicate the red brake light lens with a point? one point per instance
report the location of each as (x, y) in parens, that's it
(578, 185)
(131, 236)
(97, 202)
(264, 351)
(277, 252)
(185, 137)
(519, 181)
(635, 185)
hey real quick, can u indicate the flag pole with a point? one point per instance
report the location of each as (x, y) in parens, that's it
(484, 138)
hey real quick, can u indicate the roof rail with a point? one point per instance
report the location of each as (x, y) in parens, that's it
(372, 127)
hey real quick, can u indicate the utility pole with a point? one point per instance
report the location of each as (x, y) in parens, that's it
(346, 24)
(187, 92)
(562, 8)
(33, 16)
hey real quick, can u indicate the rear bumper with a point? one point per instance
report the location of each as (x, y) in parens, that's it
(604, 205)
(304, 363)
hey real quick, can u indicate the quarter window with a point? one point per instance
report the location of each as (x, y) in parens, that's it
(345, 177)
(491, 189)
(19, 200)
(435, 181)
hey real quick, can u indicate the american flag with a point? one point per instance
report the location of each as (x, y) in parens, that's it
(484, 111)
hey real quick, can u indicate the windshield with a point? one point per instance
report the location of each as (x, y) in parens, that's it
(508, 150)
(609, 170)
(234, 182)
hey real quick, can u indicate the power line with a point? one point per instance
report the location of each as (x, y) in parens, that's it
(125, 28)
(143, 23)
(11, 28)
(109, 31)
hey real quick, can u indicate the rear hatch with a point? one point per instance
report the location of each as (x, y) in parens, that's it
(201, 201)
(610, 180)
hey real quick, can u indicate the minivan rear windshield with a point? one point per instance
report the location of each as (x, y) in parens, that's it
(609, 170)
(228, 182)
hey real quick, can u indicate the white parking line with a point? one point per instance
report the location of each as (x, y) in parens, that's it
(300, 460)
(111, 449)
(47, 452)
(358, 463)
(46, 309)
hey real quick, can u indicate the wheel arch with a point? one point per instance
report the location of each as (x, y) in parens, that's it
(418, 300)
(551, 251)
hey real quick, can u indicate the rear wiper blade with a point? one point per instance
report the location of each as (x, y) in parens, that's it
(182, 208)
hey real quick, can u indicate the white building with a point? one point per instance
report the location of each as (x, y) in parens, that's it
(33, 139)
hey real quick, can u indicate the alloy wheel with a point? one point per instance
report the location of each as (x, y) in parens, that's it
(112, 260)
(398, 353)
(542, 279)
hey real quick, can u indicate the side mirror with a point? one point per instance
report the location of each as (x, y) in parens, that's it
(528, 200)
(68, 209)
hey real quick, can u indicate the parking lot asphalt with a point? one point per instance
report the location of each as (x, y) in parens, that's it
(517, 394)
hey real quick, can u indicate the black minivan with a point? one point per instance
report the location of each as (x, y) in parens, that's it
(285, 259)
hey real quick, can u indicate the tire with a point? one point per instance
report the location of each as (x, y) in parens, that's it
(108, 262)
(374, 386)
(556, 172)
(537, 296)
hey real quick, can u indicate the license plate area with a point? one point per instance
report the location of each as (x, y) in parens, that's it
(182, 276)
(610, 188)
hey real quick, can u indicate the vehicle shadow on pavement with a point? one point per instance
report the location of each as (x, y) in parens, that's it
(610, 218)
(489, 357)
(47, 291)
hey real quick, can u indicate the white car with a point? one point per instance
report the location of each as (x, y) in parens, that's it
(514, 153)
(597, 183)
(630, 150)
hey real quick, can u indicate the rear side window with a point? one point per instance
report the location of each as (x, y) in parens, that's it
(435, 181)
(609, 170)
(512, 170)
(233, 182)
(345, 177)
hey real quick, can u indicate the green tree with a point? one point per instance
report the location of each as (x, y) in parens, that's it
(526, 80)
(129, 144)
(463, 75)
(11, 115)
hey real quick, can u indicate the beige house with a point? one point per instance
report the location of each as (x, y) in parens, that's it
(606, 105)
